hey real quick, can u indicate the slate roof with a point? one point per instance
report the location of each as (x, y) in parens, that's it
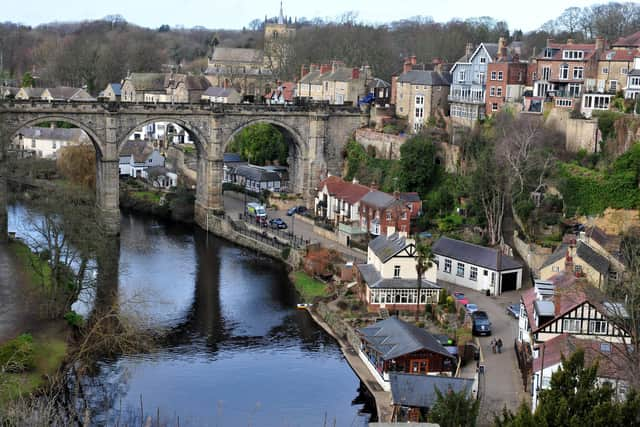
(474, 254)
(194, 82)
(256, 174)
(591, 257)
(625, 55)
(557, 255)
(410, 197)
(419, 390)
(147, 82)
(33, 92)
(313, 77)
(65, 93)
(342, 74)
(588, 49)
(230, 54)
(376, 83)
(232, 158)
(385, 247)
(116, 88)
(425, 78)
(632, 40)
(378, 199)
(218, 92)
(139, 149)
(393, 338)
(55, 134)
(372, 277)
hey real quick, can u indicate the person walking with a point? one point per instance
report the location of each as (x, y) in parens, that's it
(499, 345)
(493, 345)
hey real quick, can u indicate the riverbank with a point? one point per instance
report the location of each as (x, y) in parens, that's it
(323, 316)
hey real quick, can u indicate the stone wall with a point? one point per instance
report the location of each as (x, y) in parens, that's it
(386, 146)
(579, 133)
(175, 158)
(627, 133)
(449, 156)
(532, 254)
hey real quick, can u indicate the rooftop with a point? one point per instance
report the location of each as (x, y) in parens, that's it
(475, 254)
(374, 281)
(230, 54)
(419, 390)
(350, 192)
(393, 338)
(385, 247)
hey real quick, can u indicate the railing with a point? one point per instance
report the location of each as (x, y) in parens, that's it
(277, 238)
(466, 99)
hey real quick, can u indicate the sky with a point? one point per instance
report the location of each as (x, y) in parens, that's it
(234, 14)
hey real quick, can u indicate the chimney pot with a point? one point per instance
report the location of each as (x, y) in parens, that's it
(325, 68)
(599, 43)
(407, 66)
(413, 59)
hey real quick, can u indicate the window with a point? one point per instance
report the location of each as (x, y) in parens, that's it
(33, 143)
(572, 54)
(520, 76)
(605, 70)
(571, 325)
(500, 75)
(493, 75)
(605, 347)
(404, 215)
(499, 91)
(483, 60)
(492, 91)
(419, 100)
(461, 76)
(473, 273)
(494, 106)
(564, 72)
(150, 160)
(546, 73)
(577, 268)
(493, 278)
(460, 270)
(624, 71)
(555, 268)
(597, 327)
(486, 273)
(481, 78)
(613, 85)
(574, 89)
(53, 145)
(396, 271)
(447, 266)
(613, 275)
(578, 73)
(548, 53)
(388, 215)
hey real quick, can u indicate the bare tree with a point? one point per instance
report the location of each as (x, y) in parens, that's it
(489, 188)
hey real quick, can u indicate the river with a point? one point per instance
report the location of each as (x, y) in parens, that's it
(238, 353)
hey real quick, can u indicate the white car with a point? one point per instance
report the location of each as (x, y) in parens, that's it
(471, 308)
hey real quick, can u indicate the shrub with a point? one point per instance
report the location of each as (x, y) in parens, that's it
(74, 319)
(461, 314)
(342, 305)
(16, 355)
(285, 253)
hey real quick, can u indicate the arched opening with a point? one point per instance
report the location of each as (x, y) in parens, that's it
(263, 158)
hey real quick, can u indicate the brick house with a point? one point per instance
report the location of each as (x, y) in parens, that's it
(506, 79)
(382, 213)
(339, 200)
(565, 71)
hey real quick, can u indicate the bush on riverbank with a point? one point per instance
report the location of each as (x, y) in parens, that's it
(308, 287)
(175, 206)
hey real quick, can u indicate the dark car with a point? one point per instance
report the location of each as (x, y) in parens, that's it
(300, 210)
(481, 324)
(277, 223)
(513, 310)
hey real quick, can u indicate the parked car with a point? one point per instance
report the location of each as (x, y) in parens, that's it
(278, 223)
(480, 323)
(459, 296)
(471, 308)
(292, 210)
(513, 310)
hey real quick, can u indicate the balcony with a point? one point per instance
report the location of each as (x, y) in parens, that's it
(467, 99)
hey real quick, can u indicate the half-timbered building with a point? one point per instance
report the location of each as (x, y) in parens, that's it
(564, 306)
(388, 279)
(392, 345)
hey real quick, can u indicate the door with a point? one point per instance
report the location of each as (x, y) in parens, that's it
(509, 281)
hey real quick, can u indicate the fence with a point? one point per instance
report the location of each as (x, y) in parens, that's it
(278, 238)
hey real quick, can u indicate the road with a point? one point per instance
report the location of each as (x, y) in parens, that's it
(234, 206)
(502, 381)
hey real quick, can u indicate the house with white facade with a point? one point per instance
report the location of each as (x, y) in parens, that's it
(476, 267)
(467, 97)
(137, 156)
(258, 178)
(160, 177)
(338, 200)
(46, 141)
(561, 315)
(389, 281)
(632, 88)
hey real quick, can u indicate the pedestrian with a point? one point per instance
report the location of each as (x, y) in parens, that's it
(499, 344)
(493, 345)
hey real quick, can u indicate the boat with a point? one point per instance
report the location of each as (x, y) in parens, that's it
(304, 306)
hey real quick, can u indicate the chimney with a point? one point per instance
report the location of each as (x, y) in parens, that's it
(502, 48)
(335, 65)
(437, 65)
(569, 41)
(314, 67)
(325, 68)
(304, 70)
(407, 66)
(355, 74)
(568, 263)
(468, 49)
(599, 43)
(413, 59)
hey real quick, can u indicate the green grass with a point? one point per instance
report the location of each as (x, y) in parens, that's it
(48, 355)
(308, 287)
(148, 196)
(32, 263)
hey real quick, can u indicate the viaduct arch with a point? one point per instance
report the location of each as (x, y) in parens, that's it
(318, 134)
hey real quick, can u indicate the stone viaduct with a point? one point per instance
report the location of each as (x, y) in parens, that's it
(316, 134)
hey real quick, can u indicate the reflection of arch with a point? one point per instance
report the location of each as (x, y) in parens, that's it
(200, 140)
(55, 118)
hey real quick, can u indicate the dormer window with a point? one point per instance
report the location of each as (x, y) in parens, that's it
(548, 53)
(572, 54)
(483, 60)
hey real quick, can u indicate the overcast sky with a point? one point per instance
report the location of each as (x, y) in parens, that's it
(234, 14)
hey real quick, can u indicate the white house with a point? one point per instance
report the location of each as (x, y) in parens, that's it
(476, 267)
(563, 314)
(258, 178)
(45, 142)
(136, 156)
(160, 177)
(339, 200)
(166, 132)
(389, 280)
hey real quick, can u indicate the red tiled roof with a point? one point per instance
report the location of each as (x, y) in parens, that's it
(343, 190)
(589, 50)
(630, 40)
(610, 364)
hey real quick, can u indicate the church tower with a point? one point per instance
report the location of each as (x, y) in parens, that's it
(277, 37)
